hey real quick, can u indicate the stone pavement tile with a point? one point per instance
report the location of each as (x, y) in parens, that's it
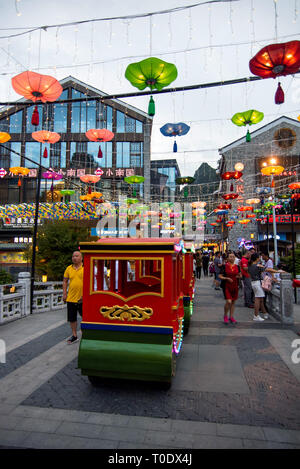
(240, 431)
(12, 437)
(149, 423)
(262, 444)
(6, 409)
(282, 436)
(38, 440)
(9, 422)
(124, 434)
(68, 415)
(91, 443)
(39, 425)
(108, 419)
(168, 439)
(126, 445)
(216, 442)
(80, 429)
(30, 411)
(190, 426)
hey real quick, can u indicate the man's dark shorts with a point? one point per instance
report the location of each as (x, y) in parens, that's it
(73, 309)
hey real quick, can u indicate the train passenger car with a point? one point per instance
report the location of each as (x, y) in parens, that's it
(188, 280)
(132, 323)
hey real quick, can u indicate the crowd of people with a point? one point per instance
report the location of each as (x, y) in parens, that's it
(251, 271)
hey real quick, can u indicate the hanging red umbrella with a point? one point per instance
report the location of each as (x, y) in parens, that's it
(230, 196)
(99, 135)
(231, 175)
(277, 60)
(224, 207)
(45, 136)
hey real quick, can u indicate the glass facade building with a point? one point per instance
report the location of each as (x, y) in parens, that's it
(127, 154)
(163, 180)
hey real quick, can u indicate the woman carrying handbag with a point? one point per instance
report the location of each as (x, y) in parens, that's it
(255, 270)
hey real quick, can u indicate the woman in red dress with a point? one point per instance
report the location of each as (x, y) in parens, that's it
(230, 273)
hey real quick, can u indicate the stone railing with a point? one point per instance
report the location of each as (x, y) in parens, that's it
(280, 301)
(15, 298)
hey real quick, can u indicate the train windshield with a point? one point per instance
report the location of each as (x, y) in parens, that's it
(127, 277)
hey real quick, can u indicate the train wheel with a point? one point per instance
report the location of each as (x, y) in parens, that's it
(94, 380)
(173, 364)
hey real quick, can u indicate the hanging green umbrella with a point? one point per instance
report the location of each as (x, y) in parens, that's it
(67, 191)
(247, 118)
(134, 180)
(183, 181)
(153, 73)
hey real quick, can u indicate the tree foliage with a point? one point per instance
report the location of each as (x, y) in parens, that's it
(56, 241)
(5, 277)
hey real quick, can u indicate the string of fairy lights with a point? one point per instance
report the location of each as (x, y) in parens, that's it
(127, 23)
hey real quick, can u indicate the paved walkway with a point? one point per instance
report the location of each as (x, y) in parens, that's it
(235, 387)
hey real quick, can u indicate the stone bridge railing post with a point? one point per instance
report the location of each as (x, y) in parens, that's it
(24, 279)
(286, 298)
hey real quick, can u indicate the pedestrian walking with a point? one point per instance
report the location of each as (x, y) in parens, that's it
(72, 292)
(198, 264)
(217, 269)
(230, 274)
(255, 270)
(205, 261)
(248, 293)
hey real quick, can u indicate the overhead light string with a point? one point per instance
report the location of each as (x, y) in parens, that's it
(296, 11)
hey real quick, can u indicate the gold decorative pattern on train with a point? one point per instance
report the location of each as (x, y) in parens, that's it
(128, 313)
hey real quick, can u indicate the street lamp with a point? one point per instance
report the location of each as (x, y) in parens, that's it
(273, 171)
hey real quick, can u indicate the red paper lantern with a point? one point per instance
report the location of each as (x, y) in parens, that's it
(277, 60)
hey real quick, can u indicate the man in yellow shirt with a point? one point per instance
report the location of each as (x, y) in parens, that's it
(72, 292)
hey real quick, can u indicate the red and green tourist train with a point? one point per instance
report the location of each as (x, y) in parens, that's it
(133, 307)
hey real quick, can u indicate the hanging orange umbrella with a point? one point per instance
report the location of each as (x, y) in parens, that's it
(244, 222)
(4, 137)
(99, 135)
(90, 179)
(19, 171)
(45, 136)
(294, 185)
(37, 87)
